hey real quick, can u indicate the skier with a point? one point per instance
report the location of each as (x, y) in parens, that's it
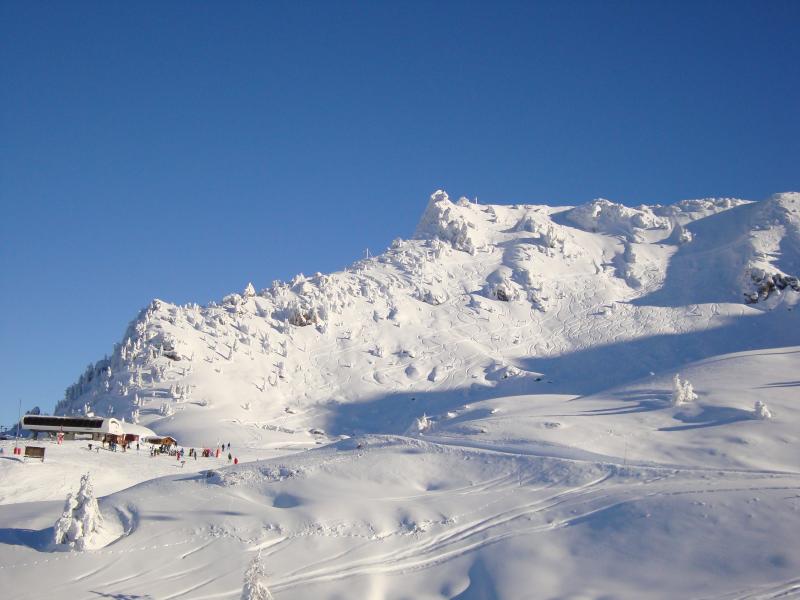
(229, 457)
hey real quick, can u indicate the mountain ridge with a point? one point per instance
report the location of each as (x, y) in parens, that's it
(482, 300)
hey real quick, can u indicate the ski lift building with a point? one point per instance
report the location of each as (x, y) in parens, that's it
(97, 427)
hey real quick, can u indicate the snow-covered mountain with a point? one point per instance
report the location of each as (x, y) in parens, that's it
(521, 402)
(482, 301)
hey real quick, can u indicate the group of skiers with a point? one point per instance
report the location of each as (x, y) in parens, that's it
(179, 453)
(205, 453)
(112, 445)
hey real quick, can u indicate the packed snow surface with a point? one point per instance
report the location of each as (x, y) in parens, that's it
(518, 402)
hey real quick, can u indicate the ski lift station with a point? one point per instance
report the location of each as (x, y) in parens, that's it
(98, 428)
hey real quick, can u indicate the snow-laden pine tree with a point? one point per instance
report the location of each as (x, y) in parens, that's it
(423, 423)
(81, 519)
(682, 391)
(255, 577)
(761, 411)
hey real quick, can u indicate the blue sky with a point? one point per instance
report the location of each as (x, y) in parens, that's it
(181, 149)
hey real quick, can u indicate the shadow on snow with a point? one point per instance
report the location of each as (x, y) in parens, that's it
(582, 372)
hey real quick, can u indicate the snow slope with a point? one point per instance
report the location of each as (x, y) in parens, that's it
(482, 411)
(609, 495)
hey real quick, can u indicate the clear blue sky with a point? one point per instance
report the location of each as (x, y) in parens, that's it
(181, 149)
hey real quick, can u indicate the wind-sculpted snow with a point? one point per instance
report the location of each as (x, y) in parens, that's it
(452, 223)
(608, 217)
(691, 210)
(632, 223)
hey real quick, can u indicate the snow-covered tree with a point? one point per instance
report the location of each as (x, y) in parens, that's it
(761, 411)
(423, 423)
(682, 391)
(255, 587)
(81, 519)
(166, 409)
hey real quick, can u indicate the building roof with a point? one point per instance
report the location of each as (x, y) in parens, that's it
(139, 430)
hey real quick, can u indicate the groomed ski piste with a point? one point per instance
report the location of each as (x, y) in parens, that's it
(486, 410)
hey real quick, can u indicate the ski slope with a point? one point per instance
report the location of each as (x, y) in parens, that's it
(483, 411)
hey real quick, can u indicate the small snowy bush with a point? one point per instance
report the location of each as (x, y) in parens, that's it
(254, 587)
(761, 411)
(81, 519)
(682, 392)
